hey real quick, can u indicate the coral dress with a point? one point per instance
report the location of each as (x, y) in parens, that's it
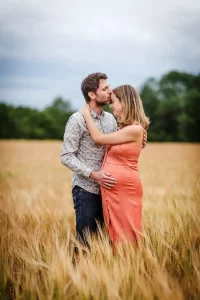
(122, 205)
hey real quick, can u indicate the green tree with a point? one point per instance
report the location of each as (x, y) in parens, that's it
(190, 117)
(28, 123)
(173, 107)
(57, 115)
(7, 122)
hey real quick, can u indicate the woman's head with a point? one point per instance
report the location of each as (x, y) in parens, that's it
(127, 106)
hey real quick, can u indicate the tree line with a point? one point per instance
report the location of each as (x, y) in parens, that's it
(172, 104)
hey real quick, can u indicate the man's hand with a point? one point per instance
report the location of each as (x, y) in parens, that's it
(104, 179)
(144, 139)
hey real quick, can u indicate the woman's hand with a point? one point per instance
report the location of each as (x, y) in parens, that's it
(85, 109)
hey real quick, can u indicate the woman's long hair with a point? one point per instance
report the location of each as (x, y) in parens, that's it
(132, 106)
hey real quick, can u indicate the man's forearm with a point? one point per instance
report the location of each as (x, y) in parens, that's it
(73, 163)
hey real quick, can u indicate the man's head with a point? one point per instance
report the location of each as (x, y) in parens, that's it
(96, 88)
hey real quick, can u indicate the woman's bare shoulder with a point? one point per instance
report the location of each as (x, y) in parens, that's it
(135, 129)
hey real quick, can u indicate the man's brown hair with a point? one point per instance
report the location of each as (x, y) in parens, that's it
(91, 84)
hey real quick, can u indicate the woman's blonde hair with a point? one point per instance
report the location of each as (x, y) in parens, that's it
(132, 106)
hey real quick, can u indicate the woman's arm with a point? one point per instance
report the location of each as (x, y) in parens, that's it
(131, 133)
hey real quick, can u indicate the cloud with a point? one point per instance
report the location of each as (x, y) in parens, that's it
(46, 48)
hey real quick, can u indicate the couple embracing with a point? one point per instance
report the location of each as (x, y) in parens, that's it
(103, 152)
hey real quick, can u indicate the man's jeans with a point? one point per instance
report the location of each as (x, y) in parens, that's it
(88, 208)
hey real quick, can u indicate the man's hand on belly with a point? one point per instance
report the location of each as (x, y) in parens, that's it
(103, 178)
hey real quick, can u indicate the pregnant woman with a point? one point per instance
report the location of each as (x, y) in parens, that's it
(122, 204)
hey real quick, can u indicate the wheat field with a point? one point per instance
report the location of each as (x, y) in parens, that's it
(37, 229)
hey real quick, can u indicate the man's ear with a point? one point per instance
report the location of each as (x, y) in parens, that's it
(91, 95)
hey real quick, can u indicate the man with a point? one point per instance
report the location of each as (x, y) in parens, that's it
(84, 157)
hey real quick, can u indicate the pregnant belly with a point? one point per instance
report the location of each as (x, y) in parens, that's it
(125, 175)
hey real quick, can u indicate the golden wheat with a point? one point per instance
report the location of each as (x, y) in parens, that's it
(37, 229)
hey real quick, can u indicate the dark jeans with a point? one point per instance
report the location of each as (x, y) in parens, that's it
(88, 209)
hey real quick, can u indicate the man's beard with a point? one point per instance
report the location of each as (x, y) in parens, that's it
(101, 104)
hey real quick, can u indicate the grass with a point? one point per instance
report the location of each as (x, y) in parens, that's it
(37, 229)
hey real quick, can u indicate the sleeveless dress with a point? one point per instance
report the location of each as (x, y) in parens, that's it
(122, 204)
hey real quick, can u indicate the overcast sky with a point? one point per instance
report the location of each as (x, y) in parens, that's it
(48, 47)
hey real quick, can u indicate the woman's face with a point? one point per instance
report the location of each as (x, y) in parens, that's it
(116, 106)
